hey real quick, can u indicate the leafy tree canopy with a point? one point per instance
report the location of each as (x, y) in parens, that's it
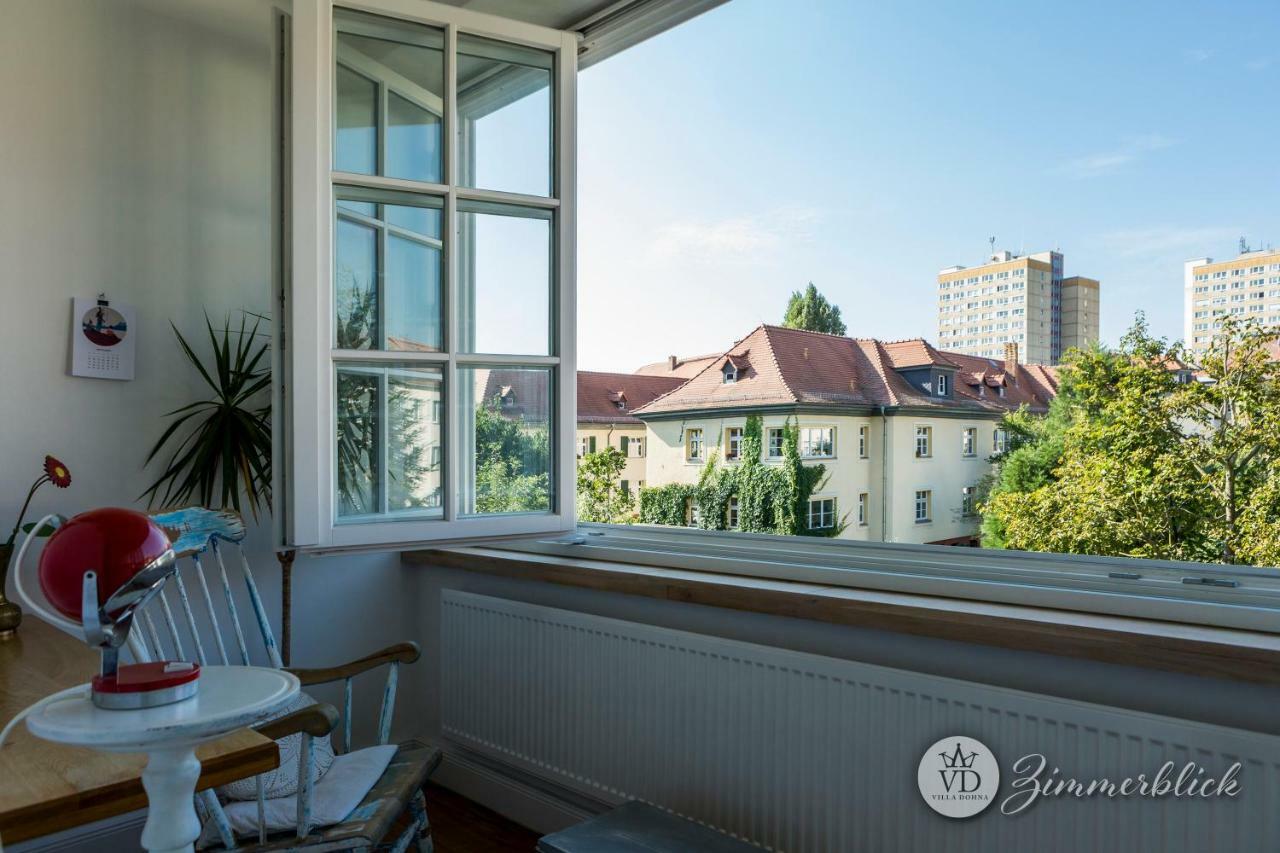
(600, 494)
(810, 310)
(1137, 458)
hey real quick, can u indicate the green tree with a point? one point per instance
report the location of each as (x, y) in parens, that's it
(810, 310)
(1135, 460)
(600, 495)
(511, 463)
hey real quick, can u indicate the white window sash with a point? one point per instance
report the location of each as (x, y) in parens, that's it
(309, 422)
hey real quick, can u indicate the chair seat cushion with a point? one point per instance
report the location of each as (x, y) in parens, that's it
(334, 797)
(375, 816)
(283, 781)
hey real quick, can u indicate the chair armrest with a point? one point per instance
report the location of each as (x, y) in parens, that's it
(399, 653)
(316, 720)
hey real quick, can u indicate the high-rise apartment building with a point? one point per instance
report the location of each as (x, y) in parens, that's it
(1247, 286)
(1022, 299)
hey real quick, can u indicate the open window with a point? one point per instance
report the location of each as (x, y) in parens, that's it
(430, 345)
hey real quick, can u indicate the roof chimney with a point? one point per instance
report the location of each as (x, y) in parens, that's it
(671, 362)
(1011, 358)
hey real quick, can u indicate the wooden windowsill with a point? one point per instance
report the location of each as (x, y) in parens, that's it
(1193, 649)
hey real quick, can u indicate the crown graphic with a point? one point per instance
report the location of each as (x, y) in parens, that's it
(958, 759)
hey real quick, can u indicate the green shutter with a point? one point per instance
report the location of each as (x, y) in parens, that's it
(626, 439)
(591, 443)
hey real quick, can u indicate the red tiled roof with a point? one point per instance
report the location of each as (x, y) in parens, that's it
(684, 368)
(795, 367)
(600, 393)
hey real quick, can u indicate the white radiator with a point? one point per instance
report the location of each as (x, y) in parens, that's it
(799, 752)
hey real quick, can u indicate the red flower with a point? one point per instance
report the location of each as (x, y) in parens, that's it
(57, 472)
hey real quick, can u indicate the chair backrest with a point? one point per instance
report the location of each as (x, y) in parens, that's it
(205, 541)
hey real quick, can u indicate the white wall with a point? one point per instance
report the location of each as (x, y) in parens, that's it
(137, 157)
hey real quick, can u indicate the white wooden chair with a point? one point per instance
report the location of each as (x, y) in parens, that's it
(206, 541)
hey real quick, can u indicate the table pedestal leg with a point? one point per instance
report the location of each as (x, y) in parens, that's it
(170, 780)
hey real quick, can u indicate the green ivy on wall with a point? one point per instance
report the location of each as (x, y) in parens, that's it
(771, 499)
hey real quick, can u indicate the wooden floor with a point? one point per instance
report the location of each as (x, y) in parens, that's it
(461, 826)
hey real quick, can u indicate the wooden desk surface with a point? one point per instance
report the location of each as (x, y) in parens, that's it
(46, 787)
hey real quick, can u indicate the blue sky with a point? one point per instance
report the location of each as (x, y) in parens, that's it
(866, 145)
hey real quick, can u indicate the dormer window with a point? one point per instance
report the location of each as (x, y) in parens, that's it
(942, 385)
(999, 390)
(730, 374)
(619, 401)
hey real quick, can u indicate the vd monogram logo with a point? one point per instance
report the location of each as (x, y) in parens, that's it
(958, 776)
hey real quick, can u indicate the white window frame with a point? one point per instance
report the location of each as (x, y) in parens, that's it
(820, 499)
(733, 443)
(801, 441)
(969, 442)
(925, 432)
(864, 433)
(701, 455)
(942, 384)
(863, 499)
(309, 468)
(925, 495)
(781, 435)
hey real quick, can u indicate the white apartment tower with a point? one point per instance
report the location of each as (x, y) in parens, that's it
(1022, 299)
(1247, 286)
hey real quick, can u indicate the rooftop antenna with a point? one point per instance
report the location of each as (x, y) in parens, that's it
(1244, 247)
(992, 242)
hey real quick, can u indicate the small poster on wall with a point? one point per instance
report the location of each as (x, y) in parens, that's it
(104, 337)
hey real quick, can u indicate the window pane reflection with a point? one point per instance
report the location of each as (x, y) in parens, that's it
(504, 116)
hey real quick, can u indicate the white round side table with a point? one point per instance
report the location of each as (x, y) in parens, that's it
(229, 698)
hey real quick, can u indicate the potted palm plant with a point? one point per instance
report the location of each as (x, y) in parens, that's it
(219, 448)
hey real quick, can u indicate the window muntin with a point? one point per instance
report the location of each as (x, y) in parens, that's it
(942, 384)
(822, 513)
(817, 442)
(398, 265)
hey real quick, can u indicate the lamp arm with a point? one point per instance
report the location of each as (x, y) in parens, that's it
(47, 615)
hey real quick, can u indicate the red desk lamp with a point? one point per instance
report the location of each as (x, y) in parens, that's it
(99, 568)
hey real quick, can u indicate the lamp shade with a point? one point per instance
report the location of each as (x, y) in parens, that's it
(115, 543)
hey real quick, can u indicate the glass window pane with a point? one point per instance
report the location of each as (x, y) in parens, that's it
(355, 143)
(355, 277)
(390, 81)
(388, 274)
(504, 280)
(389, 435)
(504, 116)
(505, 416)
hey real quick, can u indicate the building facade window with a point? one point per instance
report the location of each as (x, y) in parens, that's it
(633, 446)
(999, 440)
(969, 442)
(691, 513)
(732, 514)
(942, 384)
(822, 513)
(777, 439)
(693, 445)
(862, 508)
(924, 442)
(967, 500)
(817, 442)
(863, 432)
(924, 506)
(733, 443)
(586, 444)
